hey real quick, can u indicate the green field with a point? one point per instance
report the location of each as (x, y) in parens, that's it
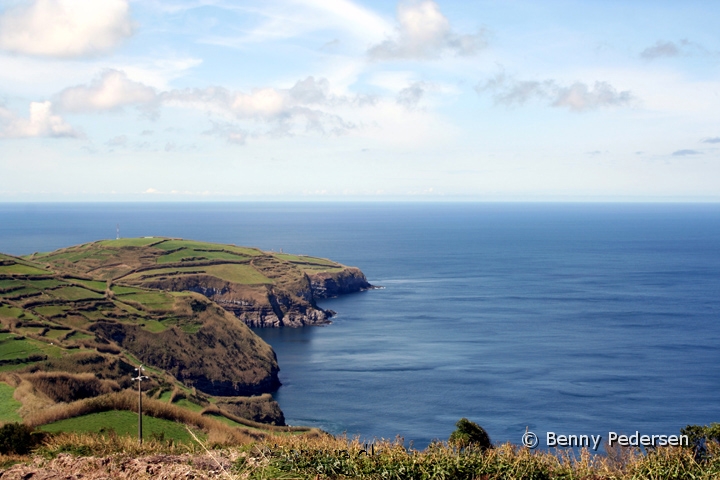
(8, 405)
(91, 284)
(154, 300)
(20, 269)
(11, 348)
(121, 290)
(10, 311)
(128, 242)
(123, 423)
(75, 293)
(52, 310)
(185, 403)
(44, 283)
(186, 253)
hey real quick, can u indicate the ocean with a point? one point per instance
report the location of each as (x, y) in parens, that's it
(577, 319)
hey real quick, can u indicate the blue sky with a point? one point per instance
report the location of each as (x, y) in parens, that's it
(120, 100)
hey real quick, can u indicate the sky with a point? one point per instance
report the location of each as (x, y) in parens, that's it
(486, 100)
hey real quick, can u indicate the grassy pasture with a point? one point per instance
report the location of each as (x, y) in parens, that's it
(8, 405)
(21, 269)
(122, 422)
(179, 255)
(44, 283)
(12, 348)
(91, 284)
(121, 289)
(127, 242)
(242, 274)
(185, 403)
(75, 293)
(10, 311)
(52, 310)
(172, 244)
(154, 300)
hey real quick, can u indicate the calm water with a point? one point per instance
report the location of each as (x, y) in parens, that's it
(577, 319)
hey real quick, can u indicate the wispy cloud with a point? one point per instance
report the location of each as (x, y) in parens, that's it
(410, 96)
(669, 49)
(424, 32)
(685, 152)
(577, 97)
(65, 28)
(712, 140)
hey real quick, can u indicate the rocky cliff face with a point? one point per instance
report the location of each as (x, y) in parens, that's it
(332, 284)
(288, 302)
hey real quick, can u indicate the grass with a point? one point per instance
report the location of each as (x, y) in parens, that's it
(21, 269)
(75, 294)
(153, 326)
(122, 290)
(165, 396)
(51, 310)
(194, 245)
(153, 300)
(11, 349)
(91, 284)
(187, 253)
(127, 242)
(243, 274)
(185, 403)
(122, 422)
(306, 260)
(45, 283)
(10, 311)
(8, 405)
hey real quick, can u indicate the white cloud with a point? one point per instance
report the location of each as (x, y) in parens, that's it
(111, 91)
(410, 96)
(577, 97)
(41, 123)
(424, 32)
(308, 101)
(65, 28)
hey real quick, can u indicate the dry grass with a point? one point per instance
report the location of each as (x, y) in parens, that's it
(218, 432)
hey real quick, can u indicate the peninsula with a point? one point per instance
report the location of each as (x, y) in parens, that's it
(77, 322)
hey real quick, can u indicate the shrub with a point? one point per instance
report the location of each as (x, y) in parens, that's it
(16, 438)
(469, 434)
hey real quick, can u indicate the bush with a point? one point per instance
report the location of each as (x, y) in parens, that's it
(469, 434)
(16, 438)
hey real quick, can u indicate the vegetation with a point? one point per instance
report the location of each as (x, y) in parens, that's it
(469, 435)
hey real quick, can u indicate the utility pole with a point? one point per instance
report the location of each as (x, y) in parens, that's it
(139, 379)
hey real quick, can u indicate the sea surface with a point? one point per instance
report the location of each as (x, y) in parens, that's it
(568, 318)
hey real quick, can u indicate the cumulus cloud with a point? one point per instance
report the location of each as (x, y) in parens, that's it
(64, 28)
(424, 32)
(410, 96)
(42, 122)
(308, 100)
(113, 90)
(685, 152)
(577, 97)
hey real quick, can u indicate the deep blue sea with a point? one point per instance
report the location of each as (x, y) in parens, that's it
(570, 318)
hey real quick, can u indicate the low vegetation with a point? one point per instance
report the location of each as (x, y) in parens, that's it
(315, 455)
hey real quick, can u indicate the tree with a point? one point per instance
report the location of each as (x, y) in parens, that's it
(469, 434)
